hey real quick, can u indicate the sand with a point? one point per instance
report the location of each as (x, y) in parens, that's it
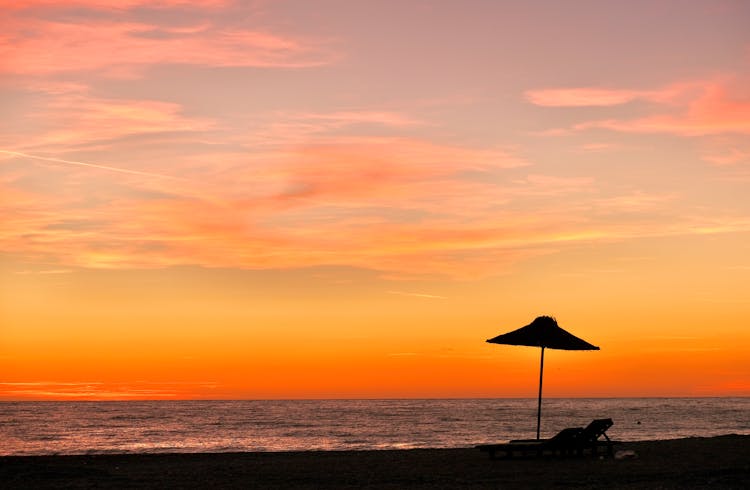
(717, 462)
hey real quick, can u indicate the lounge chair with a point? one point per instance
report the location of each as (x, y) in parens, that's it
(589, 438)
(568, 442)
(563, 443)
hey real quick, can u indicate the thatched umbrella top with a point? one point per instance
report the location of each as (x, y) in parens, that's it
(543, 332)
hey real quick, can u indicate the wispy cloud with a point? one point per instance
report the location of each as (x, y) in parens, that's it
(402, 206)
(637, 201)
(598, 147)
(39, 47)
(377, 203)
(604, 97)
(299, 128)
(694, 108)
(583, 97)
(384, 168)
(551, 185)
(50, 383)
(99, 390)
(280, 182)
(77, 120)
(44, 272)
(114, 5)
(344, 118)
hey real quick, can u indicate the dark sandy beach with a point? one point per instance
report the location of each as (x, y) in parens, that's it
(717, 462)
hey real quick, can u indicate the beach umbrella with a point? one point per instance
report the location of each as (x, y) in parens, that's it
(545, 333)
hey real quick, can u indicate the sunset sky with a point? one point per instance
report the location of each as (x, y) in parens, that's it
(344, 199)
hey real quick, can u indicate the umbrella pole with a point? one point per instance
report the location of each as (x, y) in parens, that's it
(539, 405)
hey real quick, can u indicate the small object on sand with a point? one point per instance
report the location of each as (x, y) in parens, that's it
(626, 454)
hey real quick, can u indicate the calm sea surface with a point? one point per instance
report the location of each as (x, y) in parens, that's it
(218, 426)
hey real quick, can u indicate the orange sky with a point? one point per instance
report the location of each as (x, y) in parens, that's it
(251, 199)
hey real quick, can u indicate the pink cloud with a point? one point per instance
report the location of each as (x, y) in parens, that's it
(581, 97)
(444, 237)
(329, 203)
(715, 111)
(357, 166)
(124, 48)
(76, 119)
(690, 108)
(603, 97)
(405, 207)
(635, 202)
(343, 118)
(548, 185)
(109, 118)
(229, 235)
(291, 128)
(113, 4)
(598, 147)
(52, 87)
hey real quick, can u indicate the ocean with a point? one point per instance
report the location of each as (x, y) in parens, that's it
(44, 428)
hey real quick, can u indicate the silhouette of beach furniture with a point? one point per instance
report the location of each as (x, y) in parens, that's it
(543, 332)
(590, 437)
(563, 442)
(573, 441)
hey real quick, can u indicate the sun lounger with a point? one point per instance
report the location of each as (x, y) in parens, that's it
(564, 442)
(568, 442)
(590, 437)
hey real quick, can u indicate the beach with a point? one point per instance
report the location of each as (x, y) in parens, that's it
(715, 462)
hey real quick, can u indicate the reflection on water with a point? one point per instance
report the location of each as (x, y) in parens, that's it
(221, 426)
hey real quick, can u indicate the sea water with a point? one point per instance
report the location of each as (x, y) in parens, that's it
(35, 428)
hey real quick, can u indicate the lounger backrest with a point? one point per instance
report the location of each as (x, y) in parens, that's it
(596, 429)
(565, 436)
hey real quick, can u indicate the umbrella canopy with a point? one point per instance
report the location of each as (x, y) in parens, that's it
(545, 333)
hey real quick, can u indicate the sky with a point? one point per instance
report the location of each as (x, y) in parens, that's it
(344, 199)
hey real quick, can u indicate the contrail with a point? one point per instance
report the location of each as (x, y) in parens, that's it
(91, 165)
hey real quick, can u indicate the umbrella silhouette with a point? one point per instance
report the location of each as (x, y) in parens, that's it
(545, 333)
